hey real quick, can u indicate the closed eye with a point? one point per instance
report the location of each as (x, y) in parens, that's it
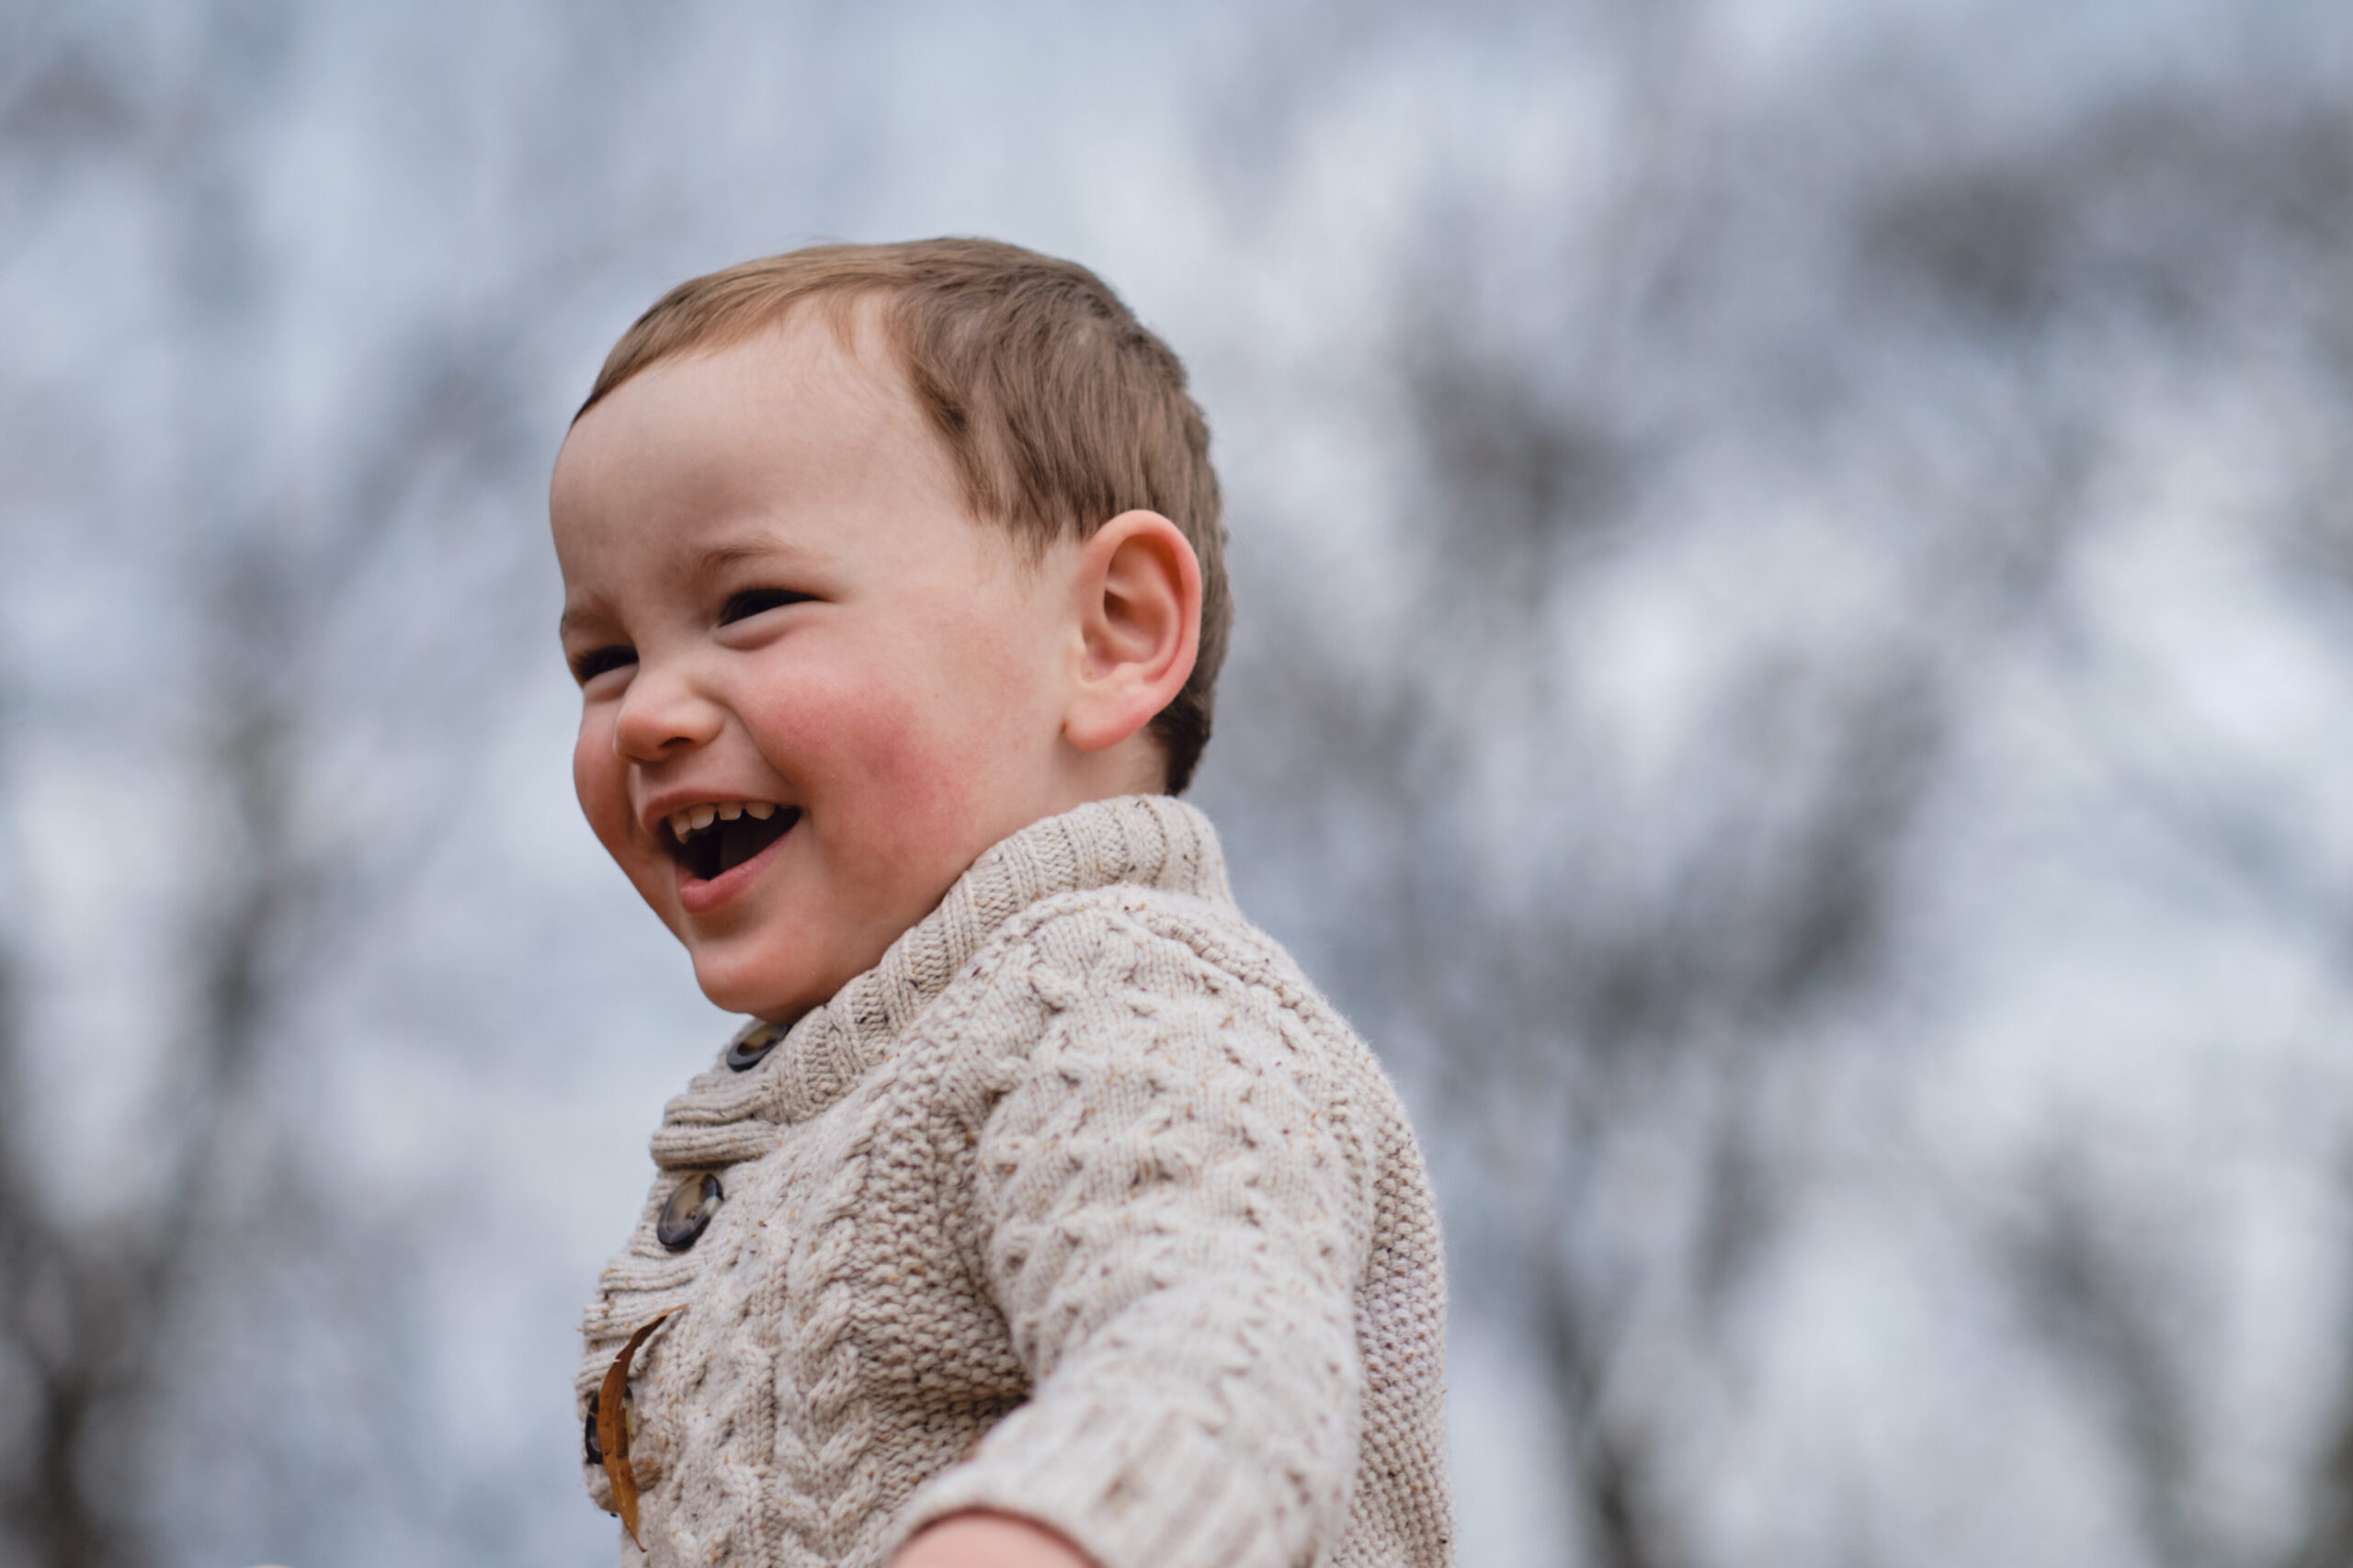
(755, 601)
(587, 666)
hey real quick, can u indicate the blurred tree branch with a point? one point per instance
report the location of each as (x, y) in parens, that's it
(101, 1309)
(1578, 972)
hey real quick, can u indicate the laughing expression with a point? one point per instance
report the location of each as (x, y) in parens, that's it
(813, 688)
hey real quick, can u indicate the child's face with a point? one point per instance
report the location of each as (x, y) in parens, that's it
(777, 600)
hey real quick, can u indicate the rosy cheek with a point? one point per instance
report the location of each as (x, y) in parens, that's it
(879, 759)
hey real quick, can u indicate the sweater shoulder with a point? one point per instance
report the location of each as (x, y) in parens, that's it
(1071, 935)
(1075, 950)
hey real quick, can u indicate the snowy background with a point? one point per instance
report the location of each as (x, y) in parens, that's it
(1794, 675)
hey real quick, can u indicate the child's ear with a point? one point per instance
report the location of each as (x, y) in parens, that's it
(1139, 619)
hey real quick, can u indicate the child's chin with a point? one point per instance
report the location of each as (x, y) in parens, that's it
(741, 983)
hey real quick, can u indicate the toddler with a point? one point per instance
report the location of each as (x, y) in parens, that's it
(1043, 1214)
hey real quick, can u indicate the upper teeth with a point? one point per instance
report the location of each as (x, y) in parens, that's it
(694, 819)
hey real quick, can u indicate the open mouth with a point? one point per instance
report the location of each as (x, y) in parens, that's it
(716, 838)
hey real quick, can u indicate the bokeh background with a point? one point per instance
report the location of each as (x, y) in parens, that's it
(1795, 676)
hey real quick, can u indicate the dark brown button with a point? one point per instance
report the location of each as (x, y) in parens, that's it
(689, 1210)
(751, 1048)
(595, 1449)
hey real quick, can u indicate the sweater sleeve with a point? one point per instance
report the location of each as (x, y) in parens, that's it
(1176, 1209)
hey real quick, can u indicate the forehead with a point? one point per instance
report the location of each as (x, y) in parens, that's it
(797, 394)
(798, 433)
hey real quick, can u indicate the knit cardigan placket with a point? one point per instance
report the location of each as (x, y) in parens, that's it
(1082, 1205)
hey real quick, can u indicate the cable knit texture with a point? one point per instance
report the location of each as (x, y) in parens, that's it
(1082, 1205)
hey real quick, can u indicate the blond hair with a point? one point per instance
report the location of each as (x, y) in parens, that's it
(1059, 409)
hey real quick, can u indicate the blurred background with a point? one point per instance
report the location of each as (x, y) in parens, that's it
(1795, 676)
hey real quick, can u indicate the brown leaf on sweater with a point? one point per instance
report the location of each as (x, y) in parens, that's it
(612, 1425)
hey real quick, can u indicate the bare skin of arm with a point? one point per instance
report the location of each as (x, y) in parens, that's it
(989, 1540)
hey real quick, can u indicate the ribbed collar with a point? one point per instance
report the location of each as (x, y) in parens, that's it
(1152, 841)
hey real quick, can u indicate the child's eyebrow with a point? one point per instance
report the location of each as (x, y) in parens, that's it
(721, 559)
(715, 561)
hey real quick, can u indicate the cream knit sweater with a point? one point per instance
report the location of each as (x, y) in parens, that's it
(1082, 1205)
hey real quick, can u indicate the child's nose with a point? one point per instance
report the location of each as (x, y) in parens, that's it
(661, 713)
